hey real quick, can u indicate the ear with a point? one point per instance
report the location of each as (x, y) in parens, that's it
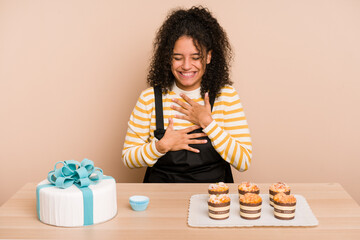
(208, 57)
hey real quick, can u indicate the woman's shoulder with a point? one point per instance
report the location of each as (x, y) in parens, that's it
(228, 91)
(148, 93)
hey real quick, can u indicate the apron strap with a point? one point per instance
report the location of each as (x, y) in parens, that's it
(212, 100)
(158, 108)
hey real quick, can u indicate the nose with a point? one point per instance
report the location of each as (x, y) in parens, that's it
(186, 65)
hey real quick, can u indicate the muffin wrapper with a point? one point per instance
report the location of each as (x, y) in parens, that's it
(219, 204)
(214, 192)
(242, 192)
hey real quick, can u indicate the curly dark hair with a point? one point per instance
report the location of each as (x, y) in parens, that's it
(199, 24)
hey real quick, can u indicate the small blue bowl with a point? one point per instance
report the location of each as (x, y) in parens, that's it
(139, 203)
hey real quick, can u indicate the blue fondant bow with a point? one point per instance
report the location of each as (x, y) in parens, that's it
(72, 172)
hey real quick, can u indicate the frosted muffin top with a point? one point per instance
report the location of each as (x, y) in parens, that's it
(279, 187)
(219, 187)
(250, 198)
(221, 198)
(248, 187)
(284, 198)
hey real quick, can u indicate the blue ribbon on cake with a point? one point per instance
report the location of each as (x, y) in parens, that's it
(79, 174)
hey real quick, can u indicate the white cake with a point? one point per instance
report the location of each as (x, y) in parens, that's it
(75, 206)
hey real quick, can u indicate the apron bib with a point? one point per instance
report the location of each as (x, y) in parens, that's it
(184, 166)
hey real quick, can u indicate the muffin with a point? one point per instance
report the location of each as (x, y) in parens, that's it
(250, 206)
(219, 206)
(284, 206)
(248, 187)
(218, 188)
(278, 188)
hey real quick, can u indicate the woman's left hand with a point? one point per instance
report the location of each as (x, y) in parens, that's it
(194, 112)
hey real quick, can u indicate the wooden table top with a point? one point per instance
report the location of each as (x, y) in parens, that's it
(166, 216)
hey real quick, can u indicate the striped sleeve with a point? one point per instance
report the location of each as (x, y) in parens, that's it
(232, 141)
(139, 150)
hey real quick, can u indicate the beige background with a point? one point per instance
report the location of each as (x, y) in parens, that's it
(71, 72)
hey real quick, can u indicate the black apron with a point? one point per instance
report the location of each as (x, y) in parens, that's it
(184, 166)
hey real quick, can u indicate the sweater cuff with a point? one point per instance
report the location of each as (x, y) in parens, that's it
(156, 152)
(210, 130)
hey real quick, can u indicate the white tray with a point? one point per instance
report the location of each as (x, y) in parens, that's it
(198, 214)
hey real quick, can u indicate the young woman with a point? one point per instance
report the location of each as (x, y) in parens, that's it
(189, 126)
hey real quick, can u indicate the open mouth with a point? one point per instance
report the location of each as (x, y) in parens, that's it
(187, 74)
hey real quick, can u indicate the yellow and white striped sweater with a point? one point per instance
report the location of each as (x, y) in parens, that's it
(229, 132)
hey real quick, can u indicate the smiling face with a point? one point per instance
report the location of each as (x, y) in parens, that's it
(187, 65)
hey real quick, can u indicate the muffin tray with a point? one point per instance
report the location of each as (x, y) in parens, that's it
(198, 214)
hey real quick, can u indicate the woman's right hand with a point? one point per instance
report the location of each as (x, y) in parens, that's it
(174, 140)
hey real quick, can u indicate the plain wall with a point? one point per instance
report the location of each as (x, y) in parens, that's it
(71, 73)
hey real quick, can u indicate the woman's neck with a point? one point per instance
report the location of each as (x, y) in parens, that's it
(192, 93)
